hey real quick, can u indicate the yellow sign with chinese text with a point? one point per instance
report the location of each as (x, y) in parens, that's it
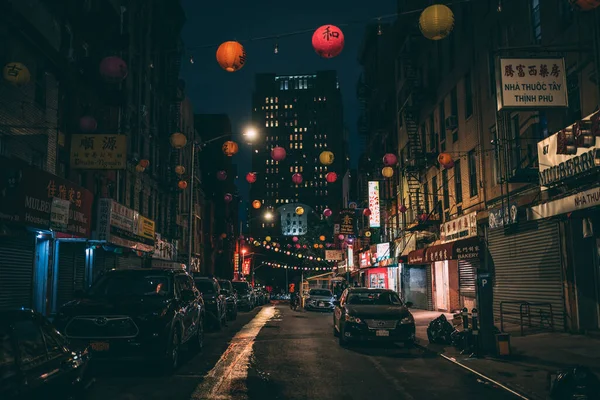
(96, 151)
(146, 228)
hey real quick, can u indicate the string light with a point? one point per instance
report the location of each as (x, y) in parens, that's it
(379, 31)
(276, 48)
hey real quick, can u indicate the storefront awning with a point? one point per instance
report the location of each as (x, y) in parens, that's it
(466, 249)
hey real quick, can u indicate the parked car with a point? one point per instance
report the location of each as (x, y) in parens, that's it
(37, 361)
(214, 300)
(137, 314)
(320, 300)
(245, 294)
(372, 315)
(230, 297)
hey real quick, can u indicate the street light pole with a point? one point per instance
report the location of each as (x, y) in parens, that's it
(191, 216)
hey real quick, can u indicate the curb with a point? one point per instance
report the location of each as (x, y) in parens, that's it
(471, 370)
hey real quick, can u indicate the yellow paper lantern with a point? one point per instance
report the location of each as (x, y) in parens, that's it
(256, 204)
(231, 56)
(178, 140)
(182, 185)
(387, 172)
(299, 210)
(180, 170)
(368, 234)
(16, 73)
(268, 238)
(326, 158)
(436, 22)
(230, 148)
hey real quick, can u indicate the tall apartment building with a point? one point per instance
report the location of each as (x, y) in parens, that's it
(304, 115)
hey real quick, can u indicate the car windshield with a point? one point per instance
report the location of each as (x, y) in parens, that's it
(374, 298)
(126, 284)
(321, 292)
(241, 287)
(205, 287)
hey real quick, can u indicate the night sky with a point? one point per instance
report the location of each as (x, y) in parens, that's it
(212, 90)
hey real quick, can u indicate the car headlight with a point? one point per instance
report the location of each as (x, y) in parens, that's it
(407, 320)
(350, 318)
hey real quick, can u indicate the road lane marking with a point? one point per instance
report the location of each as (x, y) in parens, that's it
(227, 379)
(397, 385)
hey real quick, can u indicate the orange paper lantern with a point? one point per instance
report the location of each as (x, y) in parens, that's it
(231, 56)
(444, 159)
(182, 185)
(230, 148)
(256, 204)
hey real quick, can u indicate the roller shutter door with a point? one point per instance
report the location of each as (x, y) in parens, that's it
(71, 270)
(17, 259)
(467, 277)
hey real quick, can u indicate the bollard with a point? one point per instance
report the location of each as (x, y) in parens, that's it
(465, 318)
(475, 328)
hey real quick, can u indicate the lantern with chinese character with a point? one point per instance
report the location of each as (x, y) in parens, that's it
(387, 172)
(251, 177)
(178, 140)
(585, 5)
(145, 163)
(230, 148)
(221, 175)
(297, 178)
(180, 170)
(368, 234)
(322, 238)
(256, 204)
(113, 69)
(366, 212)
(16, 73)
(88, 124)
(328, 41)
(331, 177)
(402, 209)
(139, 168)
(182, 185)
(326, 158)
(436, 22)
(228, 197)
(444, 159)
(231, 56)
(278, 153)
(327, 212)
(299, 210)
(390, 159)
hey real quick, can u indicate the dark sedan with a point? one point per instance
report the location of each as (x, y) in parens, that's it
(372, 315)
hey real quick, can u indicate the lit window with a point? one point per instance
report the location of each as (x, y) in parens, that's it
(285, 106)
(291, 105)
(300, 136)
(276, 99)
(266, 99)
(296, 136)
(301, 169)
(271, 100)
(276, 123)
(300, 145)
(291, 169)
(291, 137)
(267, 124)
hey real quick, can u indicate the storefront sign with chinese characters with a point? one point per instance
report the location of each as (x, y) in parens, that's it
(460, 228)
(374, 205)
(365, 259)
(246, 267)
(163, 249)
(334, 255)
(531, 83)
(27, 197)
(503, 216)
(467, 251)
(96, 151)
(120, 225)
(347, 222)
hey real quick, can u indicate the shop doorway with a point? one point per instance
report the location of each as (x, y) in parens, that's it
(442, 286)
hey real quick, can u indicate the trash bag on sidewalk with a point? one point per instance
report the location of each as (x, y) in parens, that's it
(577, 383)
(439, 330)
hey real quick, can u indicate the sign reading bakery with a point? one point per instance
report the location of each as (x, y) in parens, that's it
(571, 152)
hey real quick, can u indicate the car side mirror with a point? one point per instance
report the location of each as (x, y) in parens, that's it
(188, 295)
(409, 304)
(336, 303)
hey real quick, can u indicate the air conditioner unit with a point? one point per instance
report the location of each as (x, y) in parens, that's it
(451, 122)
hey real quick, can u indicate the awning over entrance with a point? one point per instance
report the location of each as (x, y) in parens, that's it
(465, 249)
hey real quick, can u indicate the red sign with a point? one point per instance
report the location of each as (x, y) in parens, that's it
(38, 199)
(365, 259)
(246, 267)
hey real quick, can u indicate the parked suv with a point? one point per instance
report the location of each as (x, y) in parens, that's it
(231, 297)
(137, 314)
(214, 300)
(245, 294)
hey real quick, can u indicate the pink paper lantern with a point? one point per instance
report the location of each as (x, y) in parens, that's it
(341, 237)
(366, 212)
(328, 41)
(113, 69)
(402, 209)
(278, 153)
(221, 175)
(295, 239)
(327, 212)
(297, 178)
(251, 177)
(390, 160)
(228, 197)
(331, 177)
(305, 246)
(88, 124)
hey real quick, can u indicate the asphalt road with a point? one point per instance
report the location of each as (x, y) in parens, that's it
(276, 353)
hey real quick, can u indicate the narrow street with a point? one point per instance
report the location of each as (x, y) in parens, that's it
(276, 353)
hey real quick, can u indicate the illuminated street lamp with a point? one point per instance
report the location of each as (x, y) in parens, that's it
(269, 216)
(251, 134)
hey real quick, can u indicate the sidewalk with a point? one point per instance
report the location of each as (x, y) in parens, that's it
(533, 357)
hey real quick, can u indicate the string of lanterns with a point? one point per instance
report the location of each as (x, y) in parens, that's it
(277, 248)
(286, 266)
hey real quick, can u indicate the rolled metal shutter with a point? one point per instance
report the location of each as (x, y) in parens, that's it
(467, 277)
(103, 261)
(429, 272)
(527, 266)
(71, 270)
(17, 260)
(129, 261)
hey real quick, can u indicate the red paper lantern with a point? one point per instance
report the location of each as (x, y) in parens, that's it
(389, 160)
(297, 179)
(366, 212)
(331, 177)
(328, 41)
(327, 212)
(278, 153)
(182, 185)
(88, 124)
(113, 69)
(402, 209)
(251, 177)
(298, 245)
(221, 175)
(145, 163)
(228, 197)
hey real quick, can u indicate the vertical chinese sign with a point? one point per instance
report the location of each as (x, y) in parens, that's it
(99, 151)
(347, 222)
(246, 267)
(375, 217)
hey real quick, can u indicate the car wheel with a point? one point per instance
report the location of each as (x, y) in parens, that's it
(342, 338)
(198, 342)
(172, 361)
